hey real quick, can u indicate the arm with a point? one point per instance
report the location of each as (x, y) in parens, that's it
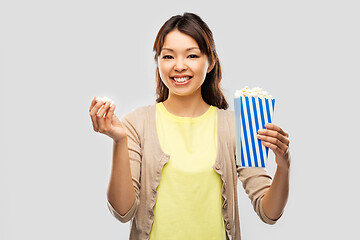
(124, 186)
(121, 193)
(268, 196)
(256, 182)
(275, 198)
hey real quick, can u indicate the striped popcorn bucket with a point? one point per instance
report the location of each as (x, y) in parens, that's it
(251, 113)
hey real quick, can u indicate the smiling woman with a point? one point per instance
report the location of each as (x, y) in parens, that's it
(174, 172)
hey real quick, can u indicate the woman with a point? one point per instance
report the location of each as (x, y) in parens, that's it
(174, 173)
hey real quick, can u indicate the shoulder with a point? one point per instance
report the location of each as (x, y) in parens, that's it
(139, 113)
(227, 114)
(226, 120)
(226, 126)
(138, 117)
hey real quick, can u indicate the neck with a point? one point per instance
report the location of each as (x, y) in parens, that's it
(189, 106)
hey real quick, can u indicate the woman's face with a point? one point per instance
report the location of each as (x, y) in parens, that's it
(182, 66)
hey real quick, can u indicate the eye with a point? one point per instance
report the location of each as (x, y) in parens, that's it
(167, 57)
(193, 56)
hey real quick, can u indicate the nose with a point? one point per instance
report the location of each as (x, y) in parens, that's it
(180, 65)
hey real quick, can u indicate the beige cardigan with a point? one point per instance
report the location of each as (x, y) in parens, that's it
(147, 160)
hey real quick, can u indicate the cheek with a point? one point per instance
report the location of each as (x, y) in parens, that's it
(163, 72)
(163, 67)
(201, 68)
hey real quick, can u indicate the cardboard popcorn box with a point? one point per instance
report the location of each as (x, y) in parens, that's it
(253, 109)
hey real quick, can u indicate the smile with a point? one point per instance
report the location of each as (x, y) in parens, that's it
(181, 80)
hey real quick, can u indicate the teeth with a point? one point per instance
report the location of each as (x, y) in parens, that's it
(182, 79)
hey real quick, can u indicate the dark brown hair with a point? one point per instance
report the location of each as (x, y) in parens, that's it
(192, 25)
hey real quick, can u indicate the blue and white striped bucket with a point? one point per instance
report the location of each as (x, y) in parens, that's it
(251, 113)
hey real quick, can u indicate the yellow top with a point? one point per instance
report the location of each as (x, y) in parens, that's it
(189, 199)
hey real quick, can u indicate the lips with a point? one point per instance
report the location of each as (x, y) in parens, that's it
(180, 79)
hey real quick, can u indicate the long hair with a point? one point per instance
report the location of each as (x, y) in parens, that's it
(192, 25)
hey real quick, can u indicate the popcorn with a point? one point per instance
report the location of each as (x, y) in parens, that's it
(105, 99)
(255, 92)
(253, 109)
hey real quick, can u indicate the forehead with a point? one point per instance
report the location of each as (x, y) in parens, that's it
(177, 40)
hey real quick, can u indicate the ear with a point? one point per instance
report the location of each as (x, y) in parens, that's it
(211, 66)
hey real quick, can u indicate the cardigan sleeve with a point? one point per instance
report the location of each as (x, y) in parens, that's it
(256, 181)
(129, 123)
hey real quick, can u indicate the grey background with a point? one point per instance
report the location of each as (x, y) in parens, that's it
(55, 56)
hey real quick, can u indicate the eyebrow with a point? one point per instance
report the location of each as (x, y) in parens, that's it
(188, 49)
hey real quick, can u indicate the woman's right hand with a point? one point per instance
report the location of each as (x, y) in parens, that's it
(105, 121)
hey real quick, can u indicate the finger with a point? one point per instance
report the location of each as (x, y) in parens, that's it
(277, 151)
(103, 126)
(110, 113)
(275, 134)
(93, 102)
(274, 141)
(96, 106)
(93, 116)
(103, 110)
(272, 126)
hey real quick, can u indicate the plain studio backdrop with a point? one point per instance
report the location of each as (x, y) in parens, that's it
(55, 56)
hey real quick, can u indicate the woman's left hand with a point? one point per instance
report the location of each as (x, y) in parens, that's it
(277, 140)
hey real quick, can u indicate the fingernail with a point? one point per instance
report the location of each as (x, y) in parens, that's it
(260, 131)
